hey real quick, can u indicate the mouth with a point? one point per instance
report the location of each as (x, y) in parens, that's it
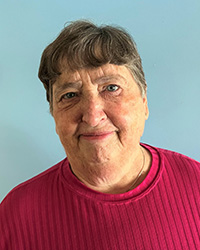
(96, 136)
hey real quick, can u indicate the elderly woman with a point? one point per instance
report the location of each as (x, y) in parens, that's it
(111, 192)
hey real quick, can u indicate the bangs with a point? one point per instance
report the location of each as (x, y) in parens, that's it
(99, 48)
(84, 45)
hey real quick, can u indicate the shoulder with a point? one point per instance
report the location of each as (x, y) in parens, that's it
(26, 202)
(181, 168)
(36, 185)
(174, 158)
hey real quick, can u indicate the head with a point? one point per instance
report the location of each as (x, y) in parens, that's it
(83, 45)
(97, 93)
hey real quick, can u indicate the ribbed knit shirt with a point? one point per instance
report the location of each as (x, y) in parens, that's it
(55, 211)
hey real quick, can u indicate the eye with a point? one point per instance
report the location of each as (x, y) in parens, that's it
(112, 87)
(68, 95)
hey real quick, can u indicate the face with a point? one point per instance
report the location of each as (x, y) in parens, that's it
(99, 114)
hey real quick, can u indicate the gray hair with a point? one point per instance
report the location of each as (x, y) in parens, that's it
(82, 44)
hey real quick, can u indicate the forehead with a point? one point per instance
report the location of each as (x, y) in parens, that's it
(97, 75)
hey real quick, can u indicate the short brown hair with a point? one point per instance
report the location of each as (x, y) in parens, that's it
(82, 44)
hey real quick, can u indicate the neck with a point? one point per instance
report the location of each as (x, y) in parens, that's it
(115, 178)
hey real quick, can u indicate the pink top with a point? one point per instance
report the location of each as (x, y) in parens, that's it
(54, 210)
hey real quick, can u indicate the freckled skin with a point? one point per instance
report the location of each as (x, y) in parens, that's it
(119, 115)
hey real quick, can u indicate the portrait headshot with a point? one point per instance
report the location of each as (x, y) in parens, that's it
(100, 125)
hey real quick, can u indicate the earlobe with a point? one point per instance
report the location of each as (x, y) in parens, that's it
(147, 114)
(56, 129)
(146, 107)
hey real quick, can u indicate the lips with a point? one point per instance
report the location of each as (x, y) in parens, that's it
(96, 135)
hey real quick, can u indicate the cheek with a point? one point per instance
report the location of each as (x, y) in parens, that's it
(63, 127)
(129, 117)
(65, 133)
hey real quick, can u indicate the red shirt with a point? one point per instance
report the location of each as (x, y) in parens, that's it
(54, 210)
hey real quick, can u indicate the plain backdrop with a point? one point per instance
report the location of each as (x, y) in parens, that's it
(167, 34)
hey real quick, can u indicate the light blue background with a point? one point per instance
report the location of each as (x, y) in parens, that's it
(168, 37)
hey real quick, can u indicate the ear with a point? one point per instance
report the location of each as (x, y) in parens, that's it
(146, 109)
(56, 129)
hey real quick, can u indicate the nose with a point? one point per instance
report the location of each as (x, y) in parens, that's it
(93, 111)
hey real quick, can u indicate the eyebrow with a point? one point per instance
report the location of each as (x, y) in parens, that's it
(66, 85)
(101, 80)
(104, 79)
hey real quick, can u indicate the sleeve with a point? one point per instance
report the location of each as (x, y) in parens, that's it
(5, 230)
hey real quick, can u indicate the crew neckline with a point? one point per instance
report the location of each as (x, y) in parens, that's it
(79, 188)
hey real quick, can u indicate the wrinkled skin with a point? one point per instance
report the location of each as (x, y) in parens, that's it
(100, 116)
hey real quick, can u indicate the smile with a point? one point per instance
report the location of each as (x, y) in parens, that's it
(95, 136)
